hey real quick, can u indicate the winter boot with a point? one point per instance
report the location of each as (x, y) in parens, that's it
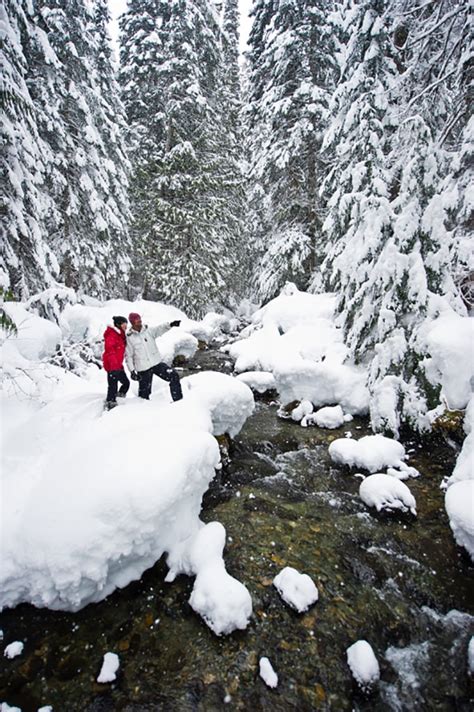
(121, 395)
(109, 405)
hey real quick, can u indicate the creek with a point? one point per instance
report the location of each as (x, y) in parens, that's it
(399, 582)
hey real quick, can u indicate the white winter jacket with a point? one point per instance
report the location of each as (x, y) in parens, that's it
(142, 352)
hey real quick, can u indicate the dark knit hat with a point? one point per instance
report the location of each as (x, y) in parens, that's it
(119, 320)
(133, 316)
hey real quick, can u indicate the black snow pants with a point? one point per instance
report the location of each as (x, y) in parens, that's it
(113, 377)
(162, 371)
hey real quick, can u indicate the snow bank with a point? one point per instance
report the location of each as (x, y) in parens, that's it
(459, 503)
(228, 400)
(298, 590)
(450, 342)
(372, 453)
(259, 381)
(363, 664)
(267, 673)
(385, 492)
(110, 666)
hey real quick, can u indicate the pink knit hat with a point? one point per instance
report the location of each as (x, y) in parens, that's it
(133, 316)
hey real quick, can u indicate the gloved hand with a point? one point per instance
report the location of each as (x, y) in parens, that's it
(177, 322)
(134, 376)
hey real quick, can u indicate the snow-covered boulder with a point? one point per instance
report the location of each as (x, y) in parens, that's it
(363, 664)
(259, 381)
(110, 666)
(267, 673)
(325, 383)
(470, 656)
(223, 602)
(298, 590)
(459, 503)
(372, 453)
(330, 417)
(302, 410)
(229, 401)
(385, 492)
(176, 342)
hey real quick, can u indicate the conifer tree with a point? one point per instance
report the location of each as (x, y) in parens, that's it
(292, 73)
(185, 226)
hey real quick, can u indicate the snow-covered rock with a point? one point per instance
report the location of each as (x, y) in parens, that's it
(325, 383)
(298, 590)
(229, 401)
(110, 666)
(267, 673)
(459, 503)
(259, 381)
(470, 656)
(372, 453)
(330, 417)
(301, 411)
(223, 602)
(5, 707)
(176, 342)
(385, 492)
(14, 649)
(363, 664)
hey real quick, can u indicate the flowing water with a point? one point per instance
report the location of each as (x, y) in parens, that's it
(399, 582)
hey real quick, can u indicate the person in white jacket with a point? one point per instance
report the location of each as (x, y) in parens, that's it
(143, 358)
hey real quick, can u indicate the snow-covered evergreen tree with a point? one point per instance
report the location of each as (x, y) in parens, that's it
(79, 204)
(389, 250)
(26, 260)
(187, 226)
(292, 73)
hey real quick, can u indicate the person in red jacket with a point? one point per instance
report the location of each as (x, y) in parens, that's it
(114, 350)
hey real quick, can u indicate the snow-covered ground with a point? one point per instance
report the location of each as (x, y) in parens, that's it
(91, 499)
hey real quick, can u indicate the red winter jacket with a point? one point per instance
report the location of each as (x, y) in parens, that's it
(114, 350)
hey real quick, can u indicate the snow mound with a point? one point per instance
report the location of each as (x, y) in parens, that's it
(294, 308)
(259, 381)
(303, 410)
(450, 342)
(14, 649)
(385, 492)
(36, 338)
(176, 342)
(459, 503)
(363, 664)
(267, 673)
(470, 656)
(228, 400)
(372, 453)
(298, 590)
(222, 601)
(110, 665)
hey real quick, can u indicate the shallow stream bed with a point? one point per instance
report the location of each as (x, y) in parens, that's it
(399, 582)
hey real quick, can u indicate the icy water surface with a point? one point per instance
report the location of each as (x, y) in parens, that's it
(400, 583)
